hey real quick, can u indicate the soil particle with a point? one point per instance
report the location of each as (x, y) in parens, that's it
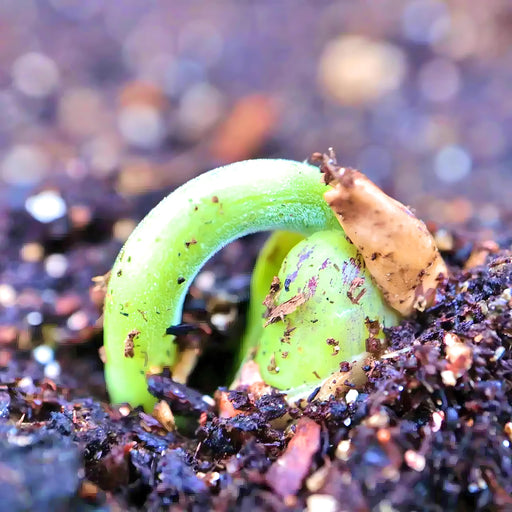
(39, 471)
(286, 474)
(180, 397)
(177, 475)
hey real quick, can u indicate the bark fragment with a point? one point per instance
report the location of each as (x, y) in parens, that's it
(286, 474)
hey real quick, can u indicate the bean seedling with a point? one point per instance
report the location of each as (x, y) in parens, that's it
(319, 306)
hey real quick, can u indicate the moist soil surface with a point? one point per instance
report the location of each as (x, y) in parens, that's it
(431, 430)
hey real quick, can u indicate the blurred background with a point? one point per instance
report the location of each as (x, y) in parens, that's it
(107, 106)
(416, 93)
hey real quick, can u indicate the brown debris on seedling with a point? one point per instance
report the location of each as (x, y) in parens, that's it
(355, 293)
(278, 312)
(129, 345)
(268, 302)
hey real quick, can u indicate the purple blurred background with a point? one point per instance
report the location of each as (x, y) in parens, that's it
(415, 93)
(106, 106)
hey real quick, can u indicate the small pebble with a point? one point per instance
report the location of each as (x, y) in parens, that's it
(34, 318)
(415, 460)
(103, 154)
(437, 420)
(26, 384)
(498, 354)
(342, 450)
(142, 126)
(52, 370)
(452, 164)
(43, 354)
(123, 228)
(7, 295)
(444, 240)
(321, 503)
(181, 74)
(205, 281)
(124, 410)
(32, 252)
(23, 164)
(81, 112)
(56, 265)
(78, 321)
(46, 206)
(439, 80)
(137, 177)
(351, 396)
(200, 108)
(35, 74)
(356, 70)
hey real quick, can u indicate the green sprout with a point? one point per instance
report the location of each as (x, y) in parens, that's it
(159, 261)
